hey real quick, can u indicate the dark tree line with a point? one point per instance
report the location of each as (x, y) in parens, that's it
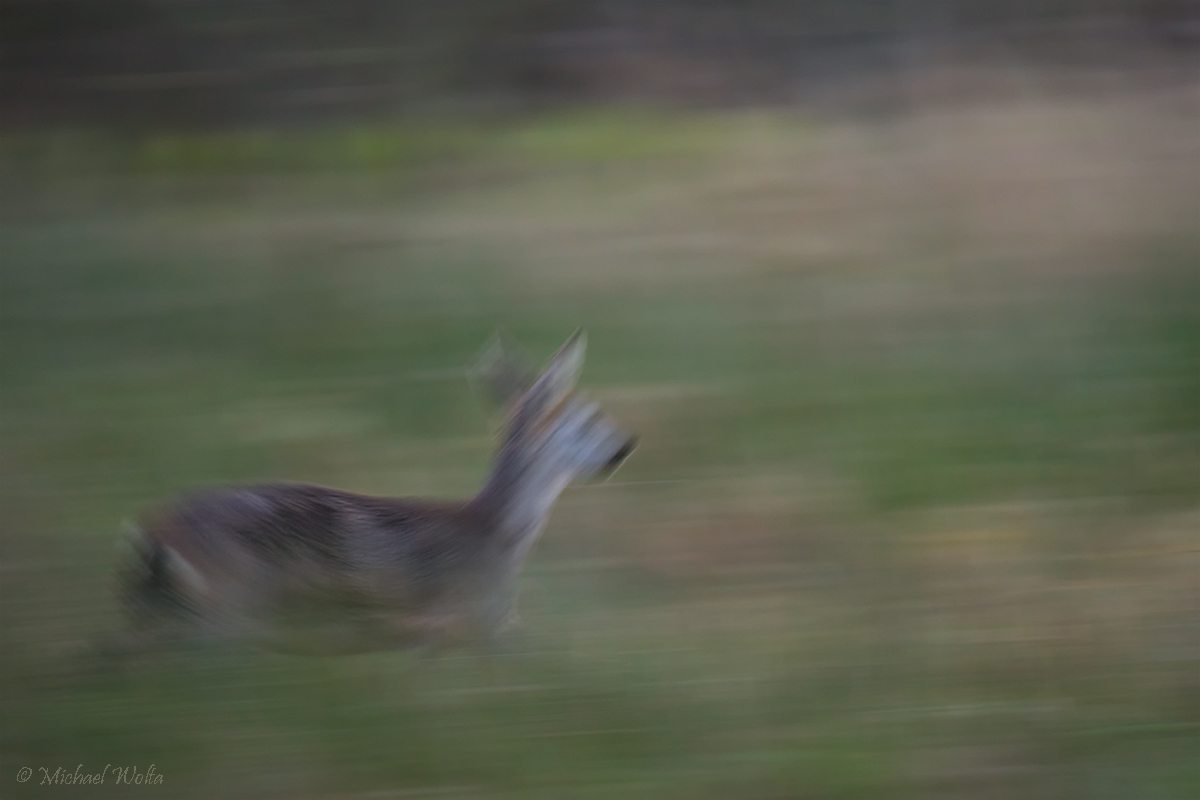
(217, 62)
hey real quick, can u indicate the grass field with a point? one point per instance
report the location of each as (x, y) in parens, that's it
(916, 512)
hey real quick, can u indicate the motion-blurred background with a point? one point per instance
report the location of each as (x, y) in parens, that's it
(902, 297)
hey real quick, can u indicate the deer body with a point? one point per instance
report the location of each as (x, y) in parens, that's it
(385, 572)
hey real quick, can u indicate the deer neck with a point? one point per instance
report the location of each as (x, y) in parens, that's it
(521, 489)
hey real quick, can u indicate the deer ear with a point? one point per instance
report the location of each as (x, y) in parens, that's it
(565, 366)
(503, 371)
(557, 379)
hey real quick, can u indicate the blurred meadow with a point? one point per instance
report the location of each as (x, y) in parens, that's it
(916, 510)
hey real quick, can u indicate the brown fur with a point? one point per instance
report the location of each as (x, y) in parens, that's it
(265, 558)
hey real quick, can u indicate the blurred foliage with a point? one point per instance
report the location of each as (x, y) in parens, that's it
(914, 514)
(138, 64)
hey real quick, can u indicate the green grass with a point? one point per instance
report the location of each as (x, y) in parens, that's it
(611, 136)
(914, 514)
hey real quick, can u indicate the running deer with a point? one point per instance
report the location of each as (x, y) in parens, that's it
(269, 560)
